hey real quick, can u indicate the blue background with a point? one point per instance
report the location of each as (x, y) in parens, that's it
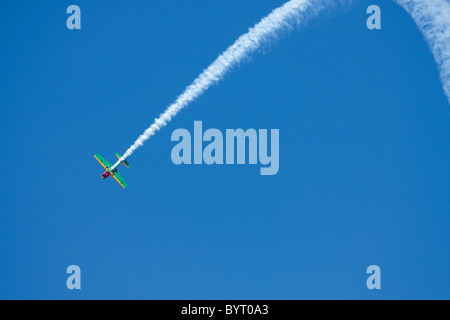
(364, 156)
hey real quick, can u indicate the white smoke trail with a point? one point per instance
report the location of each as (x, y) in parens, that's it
(433, 19)
(292, 13)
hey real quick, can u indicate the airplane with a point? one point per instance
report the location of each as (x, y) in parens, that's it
(114, 173)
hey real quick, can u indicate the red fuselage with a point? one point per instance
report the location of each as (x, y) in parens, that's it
(106, 175)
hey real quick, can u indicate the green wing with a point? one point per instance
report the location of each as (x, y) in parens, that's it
(105, 163)
(119, 179)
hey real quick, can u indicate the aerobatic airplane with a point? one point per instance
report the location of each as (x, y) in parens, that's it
(112, 173)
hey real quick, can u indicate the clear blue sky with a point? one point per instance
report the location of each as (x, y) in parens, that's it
(364, 156)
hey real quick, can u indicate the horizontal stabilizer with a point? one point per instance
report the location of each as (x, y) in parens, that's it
(125, 162)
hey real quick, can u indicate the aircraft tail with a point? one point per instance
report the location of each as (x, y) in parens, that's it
(125, 162)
